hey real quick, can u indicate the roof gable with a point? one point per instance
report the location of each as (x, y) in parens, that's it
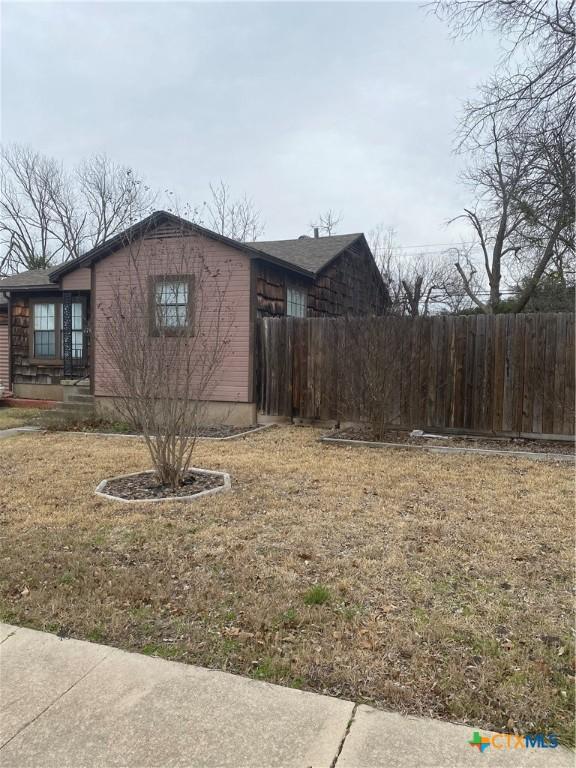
(304, 255)
(158, 221)
(310, 253)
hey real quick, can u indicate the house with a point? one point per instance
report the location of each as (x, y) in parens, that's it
(307, 276)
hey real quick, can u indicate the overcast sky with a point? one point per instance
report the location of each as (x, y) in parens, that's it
(303, 106)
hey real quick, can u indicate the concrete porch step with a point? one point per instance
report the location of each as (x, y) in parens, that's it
(80, 397)
(72, 405)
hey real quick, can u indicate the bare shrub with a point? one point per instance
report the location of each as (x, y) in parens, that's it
(165, 333)
(371, 367)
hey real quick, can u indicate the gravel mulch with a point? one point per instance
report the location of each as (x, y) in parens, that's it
(456, 441)
(146, 486)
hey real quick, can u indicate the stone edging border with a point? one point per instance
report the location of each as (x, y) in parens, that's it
(446, 449)
(124, 434)
(227, 486)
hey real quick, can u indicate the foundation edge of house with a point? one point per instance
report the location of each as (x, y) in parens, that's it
(233, 414)
(38, 391)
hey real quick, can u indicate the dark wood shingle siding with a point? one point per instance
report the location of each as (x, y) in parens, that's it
(351, 284)
(271, 284)
(24, 371)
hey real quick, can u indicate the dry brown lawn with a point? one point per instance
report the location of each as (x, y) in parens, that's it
(18, 417)
(436, 585)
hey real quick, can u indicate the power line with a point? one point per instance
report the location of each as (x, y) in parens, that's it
(432, 245)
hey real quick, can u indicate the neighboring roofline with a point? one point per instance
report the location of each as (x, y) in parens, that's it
(360, 238)
(332, 259)
(124, 238)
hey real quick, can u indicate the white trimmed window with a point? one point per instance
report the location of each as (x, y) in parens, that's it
(172, 303)
(296, 301)
(171, 297)
(47, 338)
(44, 340)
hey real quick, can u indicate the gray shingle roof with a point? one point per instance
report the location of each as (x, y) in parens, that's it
(29, 279)
(311, 253)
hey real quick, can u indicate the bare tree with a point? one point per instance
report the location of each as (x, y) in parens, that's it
(28, 223)
(165, 333)
(524, 214)
(48, 215)
(535, 79)
(388, 256)
(237, 219)
(327, 222)
(113, 197)
(418, 284)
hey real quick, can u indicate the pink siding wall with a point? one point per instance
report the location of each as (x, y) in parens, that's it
(78, 280)
(232, 381)
(4, 355)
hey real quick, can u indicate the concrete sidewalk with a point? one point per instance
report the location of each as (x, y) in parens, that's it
(71, 703)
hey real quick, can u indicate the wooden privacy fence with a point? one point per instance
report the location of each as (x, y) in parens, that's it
(501, 374)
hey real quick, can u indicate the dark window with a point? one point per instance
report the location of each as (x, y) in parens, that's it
(296, 301)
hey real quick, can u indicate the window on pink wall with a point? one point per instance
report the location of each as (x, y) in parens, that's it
(171, 298)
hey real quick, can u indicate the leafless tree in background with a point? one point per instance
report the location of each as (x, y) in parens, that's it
(418, 284)
(520, 132)
(524, 215)
(113, 197)
(327, 222)
(49, 215)
(237, 219)
(164, 340)
(388, 256)
(535, 81)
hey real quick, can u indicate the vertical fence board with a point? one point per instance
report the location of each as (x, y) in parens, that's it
(569, 393)
(560, 373)
(517, 330)
(478, 372)
(499, 370)
(486, 410)
(538, 375)
(530, 337)
(549, 375)
(414, 333)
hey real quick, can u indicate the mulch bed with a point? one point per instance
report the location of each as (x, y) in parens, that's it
(361, 432)
(146, 486)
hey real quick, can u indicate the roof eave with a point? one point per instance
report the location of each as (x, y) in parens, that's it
(122, 240)
(17, 288)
